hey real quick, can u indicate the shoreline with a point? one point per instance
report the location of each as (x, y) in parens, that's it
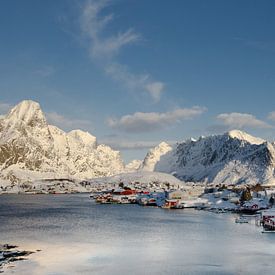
(9, 254)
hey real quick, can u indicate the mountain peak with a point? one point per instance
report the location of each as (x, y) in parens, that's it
(27, 112)
(31, 150)
(244, 136)
(154, 155)
(84, 137)
(163, 144)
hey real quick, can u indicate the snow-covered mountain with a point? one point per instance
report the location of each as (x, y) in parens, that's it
(232, 158)
(133, 166)
(154, 155)
(30, 149)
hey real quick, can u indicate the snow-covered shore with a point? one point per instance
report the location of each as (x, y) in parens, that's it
(145, 179)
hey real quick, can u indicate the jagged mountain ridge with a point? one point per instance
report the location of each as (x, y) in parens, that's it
(31, 149)
(232, 158)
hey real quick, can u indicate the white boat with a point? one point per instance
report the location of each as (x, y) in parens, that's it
(241, 220)
(268, 231)
(220, 211)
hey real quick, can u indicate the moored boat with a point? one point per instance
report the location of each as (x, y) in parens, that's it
(241, 220)
(170, 204)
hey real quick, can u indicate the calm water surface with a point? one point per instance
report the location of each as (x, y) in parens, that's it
(77, 236)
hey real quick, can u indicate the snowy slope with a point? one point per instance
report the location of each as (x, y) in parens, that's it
(30, 149)
(154, 155)
(232, 158)
(245, 137)
(142, 177)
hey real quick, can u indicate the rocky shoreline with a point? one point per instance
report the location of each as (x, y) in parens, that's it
(10, 253)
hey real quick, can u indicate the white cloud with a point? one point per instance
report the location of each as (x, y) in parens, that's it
(217, 128)
(112, 45)
(93, 23)
(104, 49)
(144, 122)
(241, 120)
(136, 82)
(121, 73)
(130, 145)
(123, 144)
(271, 116)
(155, 89)
(65, 122)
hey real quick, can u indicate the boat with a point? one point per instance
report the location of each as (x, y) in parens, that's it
(179, 205)
(253, 206)
(268, 223)
(170, 204)
(220, 211)
(124, 200)
(268, 231)
(241, 220)
(251, 216)
(106, 202)
(143, 201)
(152, 202)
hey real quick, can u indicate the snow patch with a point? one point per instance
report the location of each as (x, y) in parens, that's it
(244, 136)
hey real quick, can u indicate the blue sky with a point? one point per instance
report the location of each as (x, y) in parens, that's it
(136, 72)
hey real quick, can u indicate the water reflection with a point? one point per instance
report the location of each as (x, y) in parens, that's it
(79, 237)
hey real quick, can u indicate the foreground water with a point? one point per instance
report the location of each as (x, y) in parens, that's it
(77, 236)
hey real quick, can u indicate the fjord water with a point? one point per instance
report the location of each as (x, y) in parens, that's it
(77, 236)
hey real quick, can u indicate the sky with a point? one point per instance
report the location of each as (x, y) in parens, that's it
(137, 72)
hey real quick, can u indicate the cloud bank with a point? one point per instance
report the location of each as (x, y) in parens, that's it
(129, 145)
(242, 120)
(147, 122)
(65, 122)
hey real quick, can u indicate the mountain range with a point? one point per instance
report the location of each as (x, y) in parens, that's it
(31, 150)
(231, 158)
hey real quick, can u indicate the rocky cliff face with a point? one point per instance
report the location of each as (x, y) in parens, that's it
(232, 158)
(31, 149)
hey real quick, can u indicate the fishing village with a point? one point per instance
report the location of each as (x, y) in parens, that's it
(254, 202)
